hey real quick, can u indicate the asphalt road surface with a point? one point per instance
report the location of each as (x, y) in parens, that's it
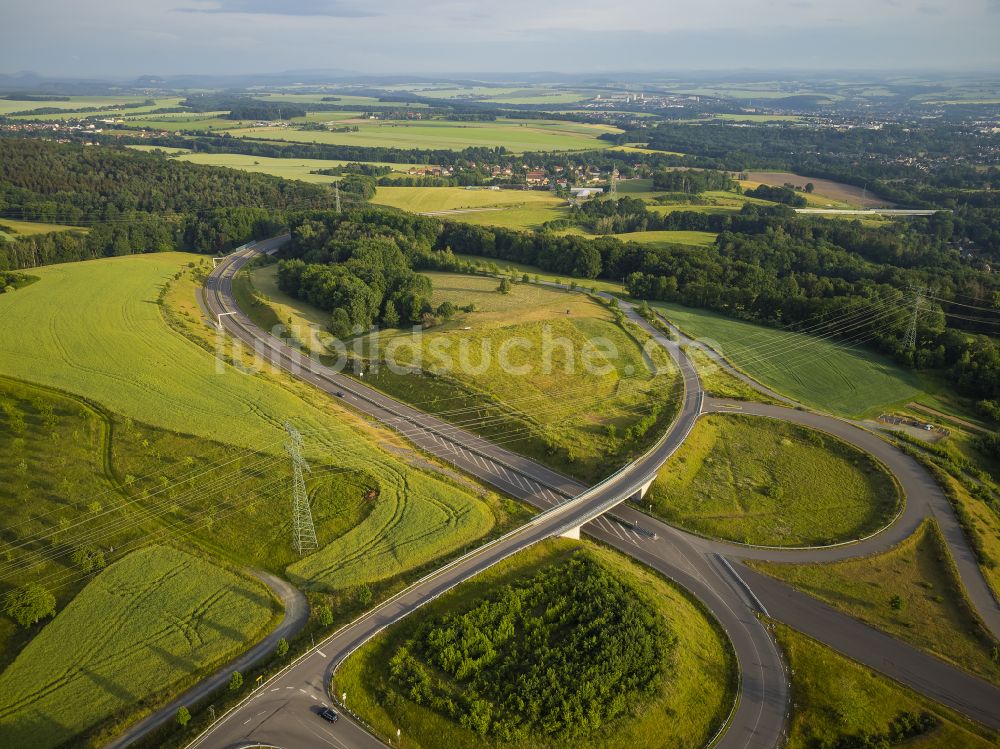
(284, 711)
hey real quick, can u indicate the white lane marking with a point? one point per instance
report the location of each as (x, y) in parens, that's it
(276, 689)
(302, 690)
(289, 687)
(321, 653)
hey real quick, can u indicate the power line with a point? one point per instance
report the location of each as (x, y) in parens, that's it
(303, 530)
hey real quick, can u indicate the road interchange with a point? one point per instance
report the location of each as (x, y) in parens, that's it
(282, 711)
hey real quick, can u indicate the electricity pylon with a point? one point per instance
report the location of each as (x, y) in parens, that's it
(303, 530)
(910, 340)
(336, 193)
(614, 181)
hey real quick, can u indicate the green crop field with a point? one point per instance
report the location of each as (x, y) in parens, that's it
(494, 265)
(12, 228)
(113, 345)
(694, 238)
(433, 199)
(685, 710)
(515, 135)
(75, 102)
(551, 368)
(143, 624)
(835, 698)
(760, 481)
(931, 612)
(831, 376)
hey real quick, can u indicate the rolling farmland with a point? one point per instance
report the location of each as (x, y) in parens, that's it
(117, 349)
(143, 624)
(515, 135)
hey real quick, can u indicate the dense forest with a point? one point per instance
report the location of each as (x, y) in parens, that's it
(562, 655)
(134, 202)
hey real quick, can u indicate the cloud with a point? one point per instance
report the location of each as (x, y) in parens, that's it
(330, 8)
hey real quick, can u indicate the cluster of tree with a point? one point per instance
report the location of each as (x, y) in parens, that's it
(22, 96)
(265, 110)
(553, 656)
(360, 277)
(776, 194)
(693, 182)
(12, 281)
(368, 170)
(420, 182)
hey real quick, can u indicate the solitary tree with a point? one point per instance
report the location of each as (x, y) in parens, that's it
(810, 187)
(504, 287)
(282, 647)
(183, 716)
(364, 596)
(324, 615)
(235, 681)
(29, 603)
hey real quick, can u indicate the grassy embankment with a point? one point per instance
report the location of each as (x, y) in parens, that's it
(835, 698)
(912, 592)
(765, 482)
(689, 704)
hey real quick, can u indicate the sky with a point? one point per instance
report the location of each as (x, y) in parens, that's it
(127, 38)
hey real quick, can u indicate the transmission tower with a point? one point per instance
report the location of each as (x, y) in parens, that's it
(336, 193)
(614, 181)
(910, 341)
(303, 531)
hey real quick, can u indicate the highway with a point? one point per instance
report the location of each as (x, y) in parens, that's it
(282, 711)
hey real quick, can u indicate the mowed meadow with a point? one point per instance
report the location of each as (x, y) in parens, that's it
(97, 329)
(816, 371)
(143, 624)
(514, 135)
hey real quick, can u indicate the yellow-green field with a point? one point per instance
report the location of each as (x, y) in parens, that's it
(458, 199)
(27, 228)
(515, 135)
(760, 481)
(838, 378)
(113, 345)
(75, 102)
(142, 625)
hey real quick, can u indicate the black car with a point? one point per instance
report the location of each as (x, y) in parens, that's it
(340, 393)
(328, 714)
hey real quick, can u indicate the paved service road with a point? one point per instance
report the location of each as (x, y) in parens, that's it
(282, 712)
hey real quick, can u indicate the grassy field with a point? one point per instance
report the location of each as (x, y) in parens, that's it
(75, 102)
(835, 697)
(433, 199)
(844, 195)
(554, 406)
(820, 373)
(145, 623)
(694, 238)
(113, 345)
(495, 265)
(931, 611)
(761, 481)
(515, 135)
(693, 701)
(12, 228)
